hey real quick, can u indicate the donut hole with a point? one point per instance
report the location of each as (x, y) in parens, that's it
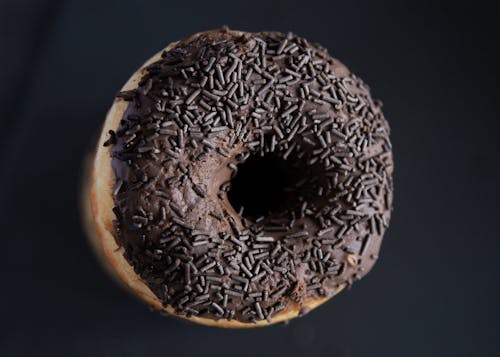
(265, 186)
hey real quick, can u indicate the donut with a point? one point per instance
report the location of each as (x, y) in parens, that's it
(240, 179)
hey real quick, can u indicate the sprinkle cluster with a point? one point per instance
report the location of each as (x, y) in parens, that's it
(204, 108)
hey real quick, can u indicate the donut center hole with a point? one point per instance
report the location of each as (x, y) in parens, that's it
(262, 186)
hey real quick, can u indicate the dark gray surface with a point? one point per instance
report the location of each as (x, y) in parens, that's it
(434, 291)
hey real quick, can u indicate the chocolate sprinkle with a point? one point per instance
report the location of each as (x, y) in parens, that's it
(209, 104)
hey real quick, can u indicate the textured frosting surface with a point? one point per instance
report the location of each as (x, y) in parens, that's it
(209, 105)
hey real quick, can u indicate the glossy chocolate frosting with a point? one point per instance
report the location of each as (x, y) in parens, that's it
(208, 105)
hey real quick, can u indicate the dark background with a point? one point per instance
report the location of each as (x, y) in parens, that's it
(434, 292)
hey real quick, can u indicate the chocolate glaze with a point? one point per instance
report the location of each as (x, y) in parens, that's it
(204, 108)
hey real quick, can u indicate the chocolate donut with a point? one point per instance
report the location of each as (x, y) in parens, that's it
(241, 179)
